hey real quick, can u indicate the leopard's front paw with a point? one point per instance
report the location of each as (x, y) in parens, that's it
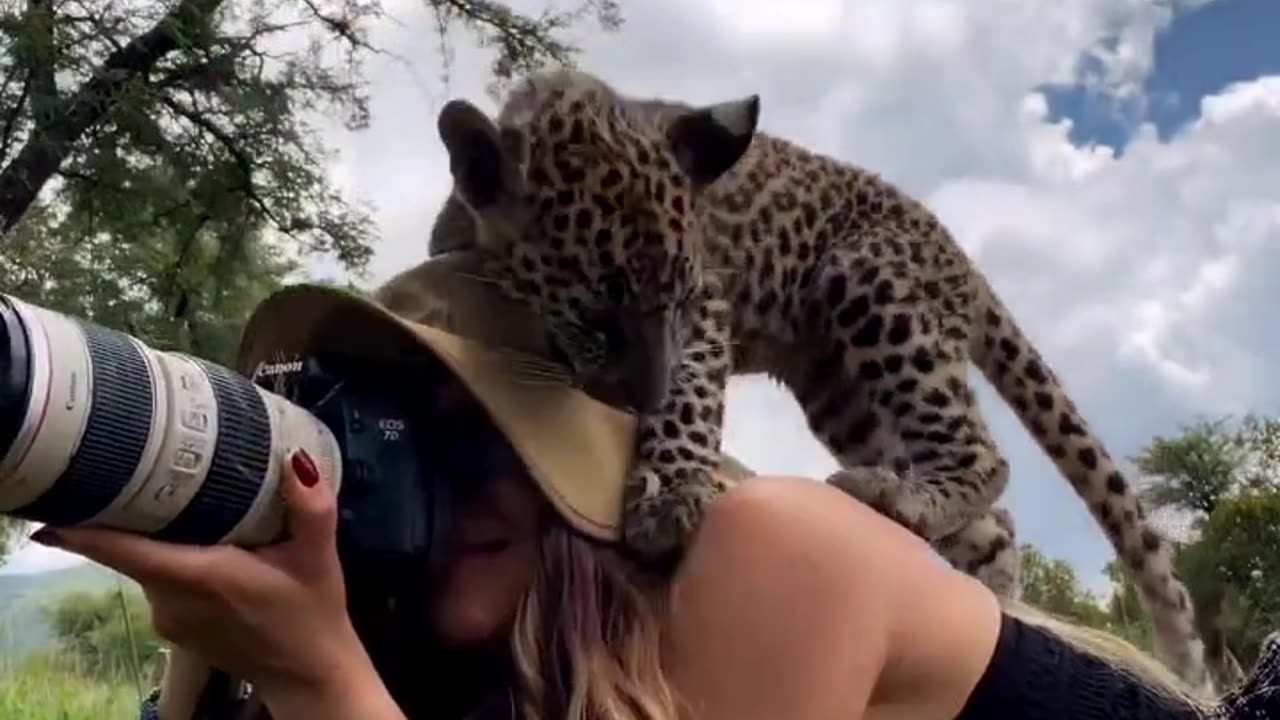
(885, 492)
(661, 512)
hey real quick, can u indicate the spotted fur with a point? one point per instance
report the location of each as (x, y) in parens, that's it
(669, 246)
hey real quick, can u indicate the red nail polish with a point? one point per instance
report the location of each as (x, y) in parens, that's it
(46, 536)
(305, 468)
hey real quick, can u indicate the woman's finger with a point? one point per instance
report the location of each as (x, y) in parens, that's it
(310, 504)
(141, 558)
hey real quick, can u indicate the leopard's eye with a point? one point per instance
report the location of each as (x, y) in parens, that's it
(604, 327)
(559, 354)
(611, 333)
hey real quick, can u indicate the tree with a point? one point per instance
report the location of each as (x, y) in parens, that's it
(1237, 561)
(10, 530)
(1050, 584)
(1223, 473)
(107, 634)
(190, 296)
(213, 95)
(1125, 614)
(1209, 460)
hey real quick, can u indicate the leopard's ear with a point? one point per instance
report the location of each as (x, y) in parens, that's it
(482, 171)
(487, 167)
(708, 141)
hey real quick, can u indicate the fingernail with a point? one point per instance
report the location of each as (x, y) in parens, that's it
(305, 468)
(46, 536)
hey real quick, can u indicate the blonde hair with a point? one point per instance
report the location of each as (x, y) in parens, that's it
(587, 641)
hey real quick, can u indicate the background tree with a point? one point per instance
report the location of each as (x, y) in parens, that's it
(215, 94)
(1223, 474)
(1125, 615)
(1051, 584)
(10, 532)
(105, 634)
(1237, 562)
(189, 296)
(1208, 461)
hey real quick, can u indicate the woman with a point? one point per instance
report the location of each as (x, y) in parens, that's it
(793, 600)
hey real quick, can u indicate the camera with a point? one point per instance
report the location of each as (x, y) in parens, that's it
(97, 428)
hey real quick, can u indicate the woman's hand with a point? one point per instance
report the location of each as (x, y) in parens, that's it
(275, 616)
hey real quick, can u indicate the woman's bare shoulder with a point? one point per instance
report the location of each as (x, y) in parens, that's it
(800, 513)
(773, 613)
(792, 596)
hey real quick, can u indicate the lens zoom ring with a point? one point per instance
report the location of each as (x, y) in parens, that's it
(114, 436)
(239, 465)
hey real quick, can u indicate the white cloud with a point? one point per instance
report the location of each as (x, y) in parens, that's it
(1143, 275)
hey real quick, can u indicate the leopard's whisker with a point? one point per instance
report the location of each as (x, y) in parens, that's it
(523, 359)
(481, 278)
(540, 372)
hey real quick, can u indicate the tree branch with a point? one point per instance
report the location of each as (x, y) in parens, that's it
(12, 117)
(242, 161)
(42, 60)
(23, 178)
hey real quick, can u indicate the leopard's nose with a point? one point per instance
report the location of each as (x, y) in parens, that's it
(648, 361)
(645, 395)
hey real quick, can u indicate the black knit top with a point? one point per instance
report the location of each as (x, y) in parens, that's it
(1034, 675)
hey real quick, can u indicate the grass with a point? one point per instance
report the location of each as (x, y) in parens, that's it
(50, 686)
(103, 659)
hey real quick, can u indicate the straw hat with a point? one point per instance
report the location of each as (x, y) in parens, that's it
(576, 445)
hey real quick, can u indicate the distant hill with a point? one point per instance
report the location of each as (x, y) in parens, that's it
(22, 624)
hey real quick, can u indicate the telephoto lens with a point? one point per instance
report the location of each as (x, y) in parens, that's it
(97, 428)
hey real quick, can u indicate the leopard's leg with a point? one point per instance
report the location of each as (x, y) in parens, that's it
(837, 407)
(673, 475)
(987, 549)
(939, 467)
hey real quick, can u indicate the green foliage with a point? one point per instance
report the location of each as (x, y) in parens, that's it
(1226, 473)
(1192, 471)
(1210, 460)
(190, 296)
(522, 43)
(49, 686)
(10, 531)
(193, 104)
(1052, 585)
(1125, 614)
(205, 109)
(105, 641)
(99, 667)
(1236, 566)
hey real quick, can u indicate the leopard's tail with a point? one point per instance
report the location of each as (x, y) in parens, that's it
(1012, 364)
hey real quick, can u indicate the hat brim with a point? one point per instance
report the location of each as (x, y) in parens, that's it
(576, 448)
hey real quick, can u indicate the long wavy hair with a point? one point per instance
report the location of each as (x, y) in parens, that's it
(587, 640)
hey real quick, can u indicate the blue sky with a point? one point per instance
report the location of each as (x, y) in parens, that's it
(1143, 272)
(1200, 53)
